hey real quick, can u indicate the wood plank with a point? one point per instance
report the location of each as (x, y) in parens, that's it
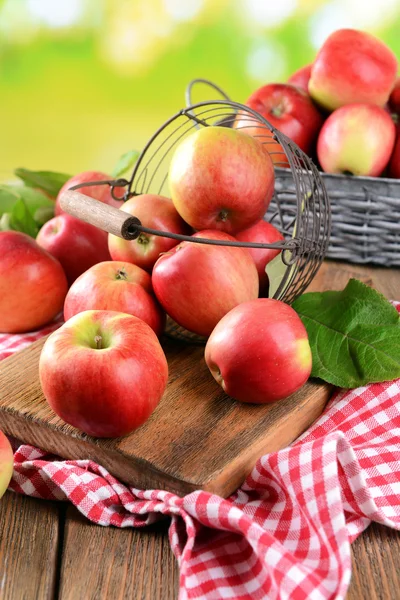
(376, 565)
(29, 535)
(197, 437)
(129, 563)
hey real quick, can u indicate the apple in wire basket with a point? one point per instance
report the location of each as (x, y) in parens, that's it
(103, 372)
(259, 352)
(197, 284)
(154, 212)
(220, 178)
(6, 463)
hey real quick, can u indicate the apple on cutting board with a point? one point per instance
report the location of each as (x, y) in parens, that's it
(259, 352)
(103, 372)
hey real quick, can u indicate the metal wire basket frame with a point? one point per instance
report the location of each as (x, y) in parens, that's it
(305, 225)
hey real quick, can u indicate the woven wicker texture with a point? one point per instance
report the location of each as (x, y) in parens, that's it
(365, 213)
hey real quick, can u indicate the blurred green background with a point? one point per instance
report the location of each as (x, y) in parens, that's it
(82, 81)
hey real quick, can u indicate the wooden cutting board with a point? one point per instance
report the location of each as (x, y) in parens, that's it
(197, 438)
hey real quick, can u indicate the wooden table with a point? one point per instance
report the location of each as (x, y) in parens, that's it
(48, 550)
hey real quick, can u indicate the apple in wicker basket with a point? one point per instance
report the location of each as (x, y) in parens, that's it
(119, 286)
(351, 67)
(77, 245)
(6, 463)
(155, 212)
(356, 139)
(197, 284)
(98, 192)
(262, 233)
(287, 108)
(259, 352)
(103, 372)
(221, 179)
(32, 284)
(301, 77)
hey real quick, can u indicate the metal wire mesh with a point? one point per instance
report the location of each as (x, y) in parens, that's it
(305, 225)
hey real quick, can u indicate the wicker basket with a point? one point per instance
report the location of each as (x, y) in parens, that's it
(365, 214)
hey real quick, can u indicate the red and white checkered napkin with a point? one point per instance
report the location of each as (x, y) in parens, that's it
(286, 532)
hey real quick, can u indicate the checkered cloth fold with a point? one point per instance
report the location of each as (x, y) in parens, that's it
(286, 533)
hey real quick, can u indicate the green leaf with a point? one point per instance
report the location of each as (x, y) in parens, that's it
(22, 220)
(49, 182)
(16, 201)
(125, 163)
(354, 335)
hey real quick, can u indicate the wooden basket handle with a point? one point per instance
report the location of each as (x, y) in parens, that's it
(100, 215)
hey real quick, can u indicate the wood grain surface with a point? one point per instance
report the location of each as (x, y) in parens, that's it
(101, 215)
(130, 564)
(29, 537)
(197, 438)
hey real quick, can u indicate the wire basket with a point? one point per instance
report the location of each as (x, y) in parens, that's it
(365, 211)
(304, 222)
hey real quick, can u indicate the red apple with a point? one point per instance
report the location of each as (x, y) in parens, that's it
(6, 463)
(301, 77)
(356, 139)
(77, 245)
(290, 110)
(352, 67)
(32, 284)
(103, 372)
(98, 192)
(116, 286)
(197, 284)
(221, 179)
(394, 98)
(155, 212)
(261, 233)
(259, 352)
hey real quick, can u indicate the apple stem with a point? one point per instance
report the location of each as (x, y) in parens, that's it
(121, 274)
(98, 339)
(223, 215)
(142, 239)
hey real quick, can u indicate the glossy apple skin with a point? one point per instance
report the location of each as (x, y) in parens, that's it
(98, 192)
(33, 284)
(356, 139)
(261, 233)
(119, 286)
(301, 77)
(6, 463)
(352, 67)
(394, 99)
(221, 179)
(198, 284)
(77, 245)
(155, 212)
(105, 392)
(259, 352)
(291, 111)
